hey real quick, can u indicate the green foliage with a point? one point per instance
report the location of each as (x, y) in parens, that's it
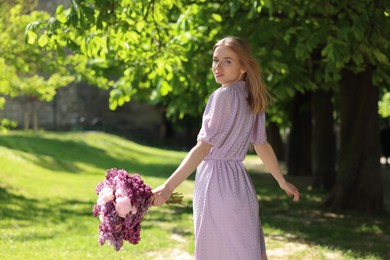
(27, 70)
(160, 50)
(308, 46)
(384, 105)
(6, 125)
(148, 49)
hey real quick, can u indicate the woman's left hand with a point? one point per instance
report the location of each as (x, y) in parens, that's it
(290, 189)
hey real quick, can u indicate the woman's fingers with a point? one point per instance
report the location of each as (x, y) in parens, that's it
(296, 197)
(292, 190)
(156, 201)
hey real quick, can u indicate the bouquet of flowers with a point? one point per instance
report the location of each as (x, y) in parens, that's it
(123, 200)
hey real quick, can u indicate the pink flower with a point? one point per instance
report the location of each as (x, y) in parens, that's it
(105, 195)
(120, 193)
(101, 217)
(123, 206)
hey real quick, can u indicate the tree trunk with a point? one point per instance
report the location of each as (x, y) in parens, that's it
(359, 183)
(274, 138)
(299, 150)
(323, 141)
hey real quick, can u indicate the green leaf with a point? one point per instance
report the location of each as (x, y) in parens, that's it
(73, 45)
(140, 26)
(358, 59)
(60, 14)
(31, 37)
(381, 57)
(89, 13)
(75, 6)
(165, 88)
(43, 40)
(2, 102)
(216, 17)
(234, 6)
(60, 51)
(384, 105)
(267, 3)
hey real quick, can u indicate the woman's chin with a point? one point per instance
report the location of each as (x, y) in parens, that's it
(219, 81)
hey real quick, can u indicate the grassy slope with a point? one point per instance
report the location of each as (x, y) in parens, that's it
(47, 194)
(47, 183)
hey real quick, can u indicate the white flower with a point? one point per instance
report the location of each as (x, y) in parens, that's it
(120, 193)
(101, 218)
(123, 207)
(105, 195)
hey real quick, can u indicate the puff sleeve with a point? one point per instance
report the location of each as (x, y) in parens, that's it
(259, 135)
(218, 117)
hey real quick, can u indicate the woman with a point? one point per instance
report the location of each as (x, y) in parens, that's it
(226, 214)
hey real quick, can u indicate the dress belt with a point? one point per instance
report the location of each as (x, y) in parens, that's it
(223, 159)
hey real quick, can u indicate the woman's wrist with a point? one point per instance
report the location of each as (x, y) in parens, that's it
(281, 182)
(169, 186)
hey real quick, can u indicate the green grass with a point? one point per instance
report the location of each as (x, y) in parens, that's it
(47, 183)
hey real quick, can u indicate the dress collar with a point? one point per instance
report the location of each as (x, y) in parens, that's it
(234, 84)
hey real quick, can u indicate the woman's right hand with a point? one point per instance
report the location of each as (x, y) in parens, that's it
(160, 195)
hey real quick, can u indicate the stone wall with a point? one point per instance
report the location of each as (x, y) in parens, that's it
(82, 107)
(50, 6)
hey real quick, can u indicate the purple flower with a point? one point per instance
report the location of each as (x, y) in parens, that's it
(123, 201)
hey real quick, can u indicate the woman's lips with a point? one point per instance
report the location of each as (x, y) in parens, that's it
(217, 75)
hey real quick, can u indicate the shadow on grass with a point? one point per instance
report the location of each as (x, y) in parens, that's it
(176, 217)
(32, 211)
(60, 155)
(306, 222)
(29, 211)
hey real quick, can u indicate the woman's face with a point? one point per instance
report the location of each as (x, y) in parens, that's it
(226, 67)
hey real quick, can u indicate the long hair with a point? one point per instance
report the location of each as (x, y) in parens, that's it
(258, 96)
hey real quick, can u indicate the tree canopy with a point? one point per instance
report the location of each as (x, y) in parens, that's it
(160, 50)
(147, 49)
(26, 69)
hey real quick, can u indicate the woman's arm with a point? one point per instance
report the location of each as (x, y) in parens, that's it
(162, 193)
(267, 155)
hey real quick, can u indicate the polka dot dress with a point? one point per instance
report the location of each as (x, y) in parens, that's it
(226, 212)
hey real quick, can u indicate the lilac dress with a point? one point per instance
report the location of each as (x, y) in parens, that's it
(226, 209)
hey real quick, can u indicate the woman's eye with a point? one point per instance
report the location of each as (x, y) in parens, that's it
(215, 61)
(228, 61)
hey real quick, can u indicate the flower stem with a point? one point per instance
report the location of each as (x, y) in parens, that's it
(176, 198)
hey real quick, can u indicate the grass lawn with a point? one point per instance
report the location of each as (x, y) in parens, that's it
(47, 191)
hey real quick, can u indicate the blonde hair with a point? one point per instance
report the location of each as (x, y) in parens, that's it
(258, 98)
